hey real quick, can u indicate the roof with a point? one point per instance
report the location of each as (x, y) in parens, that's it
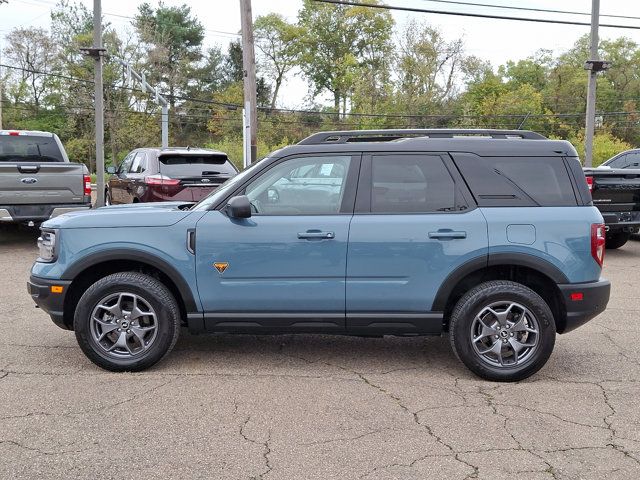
(487, 143)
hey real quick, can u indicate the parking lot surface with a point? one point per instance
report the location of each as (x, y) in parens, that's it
(316, 407)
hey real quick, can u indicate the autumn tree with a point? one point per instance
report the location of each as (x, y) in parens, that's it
(338, 43)
(276, 41)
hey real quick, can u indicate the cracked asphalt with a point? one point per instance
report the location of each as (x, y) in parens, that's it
(316, 407)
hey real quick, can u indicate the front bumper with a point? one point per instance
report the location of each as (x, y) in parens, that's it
(595, 296)
(52, 303)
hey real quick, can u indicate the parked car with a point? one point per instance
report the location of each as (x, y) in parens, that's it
(615, 189)
(628, 159)
(37, 181)
(488, 236)
(167, 174)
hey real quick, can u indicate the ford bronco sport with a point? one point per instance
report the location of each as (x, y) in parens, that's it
(487, 235)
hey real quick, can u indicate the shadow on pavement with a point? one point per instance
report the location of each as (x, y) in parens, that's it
(15, 235)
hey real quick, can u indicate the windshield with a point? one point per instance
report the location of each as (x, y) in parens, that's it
(25, 148)
(224, 189)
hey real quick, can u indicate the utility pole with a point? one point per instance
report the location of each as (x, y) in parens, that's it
(591, 89)
(97, 52)
(250, 88)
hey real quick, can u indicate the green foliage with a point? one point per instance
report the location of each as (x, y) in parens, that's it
(605, 146)
(339, 43)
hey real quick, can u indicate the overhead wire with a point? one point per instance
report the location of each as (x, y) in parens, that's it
(470, 14)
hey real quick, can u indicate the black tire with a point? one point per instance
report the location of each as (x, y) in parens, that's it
(616, 240)
(148, 290)
(473, 303)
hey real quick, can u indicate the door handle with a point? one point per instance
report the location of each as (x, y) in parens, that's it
(447, 234)
(316, 235)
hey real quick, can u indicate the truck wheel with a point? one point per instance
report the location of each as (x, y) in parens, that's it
(127, 321)
(616, 240)
(502, 331)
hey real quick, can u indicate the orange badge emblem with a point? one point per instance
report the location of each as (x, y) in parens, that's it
(221, 266)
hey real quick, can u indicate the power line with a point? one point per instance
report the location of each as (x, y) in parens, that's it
(329, 114)
(467, 14)
(528, 9)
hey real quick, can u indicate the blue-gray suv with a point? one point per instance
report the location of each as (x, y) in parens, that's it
(489, 236)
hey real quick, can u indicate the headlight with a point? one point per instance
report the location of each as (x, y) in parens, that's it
(47, 246)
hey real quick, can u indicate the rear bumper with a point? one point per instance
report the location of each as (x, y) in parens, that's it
(622, 221)
(52, 303)
(37, 213)
(595, 297)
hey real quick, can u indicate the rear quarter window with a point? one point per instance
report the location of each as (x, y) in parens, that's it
(517, 181)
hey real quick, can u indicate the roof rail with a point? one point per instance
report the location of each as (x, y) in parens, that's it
(352, 136)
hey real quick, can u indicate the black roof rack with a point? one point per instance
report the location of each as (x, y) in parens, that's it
(354, 136)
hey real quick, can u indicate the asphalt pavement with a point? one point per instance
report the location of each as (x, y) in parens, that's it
(316, 407)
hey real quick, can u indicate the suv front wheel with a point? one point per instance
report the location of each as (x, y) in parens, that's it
(127, 322)
(502, 331)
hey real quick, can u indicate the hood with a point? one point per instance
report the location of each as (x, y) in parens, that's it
(158, 214)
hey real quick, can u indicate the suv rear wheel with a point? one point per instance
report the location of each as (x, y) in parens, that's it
(502, 331)
(127, 322)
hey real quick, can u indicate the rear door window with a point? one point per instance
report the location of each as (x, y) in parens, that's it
(185, 166)
(411, 184)
(29, 148)
(138, 164)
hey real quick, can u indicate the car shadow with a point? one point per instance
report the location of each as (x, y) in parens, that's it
(18, 235)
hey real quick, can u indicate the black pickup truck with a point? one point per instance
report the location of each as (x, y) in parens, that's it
(615, 190)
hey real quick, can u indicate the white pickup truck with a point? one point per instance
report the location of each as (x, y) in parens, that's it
(37, 181)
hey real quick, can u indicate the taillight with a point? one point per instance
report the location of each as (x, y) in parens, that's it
(598, 235)
(14, 134)
(87, 185)
(161, 180)
(590, 183)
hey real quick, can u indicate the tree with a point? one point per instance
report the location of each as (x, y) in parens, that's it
(234, 73)
(174, 41)
(338, 43)
(276, 40)
(33, 50)
(429, 68)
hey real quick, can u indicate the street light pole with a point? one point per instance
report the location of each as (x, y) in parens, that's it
(591, 89)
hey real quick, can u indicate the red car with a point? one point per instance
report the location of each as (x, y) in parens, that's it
(167, 174)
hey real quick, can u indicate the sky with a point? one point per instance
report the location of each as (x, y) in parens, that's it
(493, 40)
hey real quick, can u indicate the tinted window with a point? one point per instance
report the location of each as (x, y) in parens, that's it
(126, 163)
(178, 166)
(629, 160)
(24, 148)
(517, 181)
(545, 180)
(301, 186)
(138, 164)
(411, 183)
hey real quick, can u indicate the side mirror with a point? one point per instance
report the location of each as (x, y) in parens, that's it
(239, 207)
(111, 170)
